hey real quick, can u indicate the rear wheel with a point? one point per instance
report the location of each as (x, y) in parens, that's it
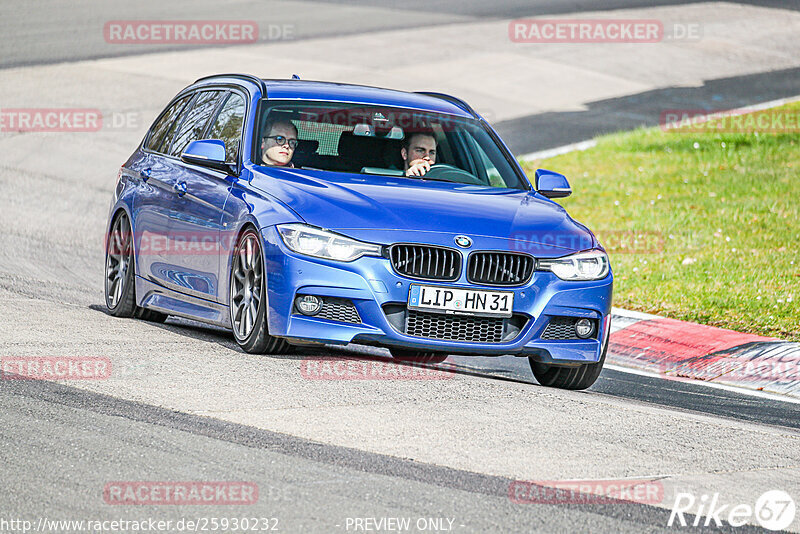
(247, 298)
(119, 290)
(406, 355)
(580, 377)
(119, 281)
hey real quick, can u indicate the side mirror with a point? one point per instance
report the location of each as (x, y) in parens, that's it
(551, 184)
(207, 153)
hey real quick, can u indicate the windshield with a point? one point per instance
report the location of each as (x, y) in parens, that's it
(363, 139)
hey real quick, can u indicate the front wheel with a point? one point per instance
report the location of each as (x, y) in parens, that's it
(247, 303)
(580, 377)
(416, 356)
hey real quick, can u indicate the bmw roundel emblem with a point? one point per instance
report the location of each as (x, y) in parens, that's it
(463, 241)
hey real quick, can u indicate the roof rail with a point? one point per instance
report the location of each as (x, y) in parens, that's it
(452, 99)
(249, 77)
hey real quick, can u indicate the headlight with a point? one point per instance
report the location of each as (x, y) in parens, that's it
(591, 265)
(319, 243)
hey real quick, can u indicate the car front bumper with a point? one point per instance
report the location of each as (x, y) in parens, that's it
(372, 286)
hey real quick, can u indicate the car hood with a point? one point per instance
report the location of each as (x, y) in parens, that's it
(342, 202)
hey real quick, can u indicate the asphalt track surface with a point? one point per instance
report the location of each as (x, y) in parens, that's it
(306, 485)
(185, 404)
(49, 31)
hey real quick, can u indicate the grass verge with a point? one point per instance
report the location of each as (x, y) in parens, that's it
(703, 227)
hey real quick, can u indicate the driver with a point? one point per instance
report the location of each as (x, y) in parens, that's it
(418, 153)
(279, 143)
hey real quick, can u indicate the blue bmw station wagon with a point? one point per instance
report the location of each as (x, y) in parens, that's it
(296, 212)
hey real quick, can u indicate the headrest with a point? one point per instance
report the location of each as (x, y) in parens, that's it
(352, 145)
(307, 146)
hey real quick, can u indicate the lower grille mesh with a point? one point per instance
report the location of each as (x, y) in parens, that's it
(561, 328)
(341, 310)
(454, 327)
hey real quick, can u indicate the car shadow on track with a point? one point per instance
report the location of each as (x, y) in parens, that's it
(505, 368)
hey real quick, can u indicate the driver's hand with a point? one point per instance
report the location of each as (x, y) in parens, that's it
(418, 167)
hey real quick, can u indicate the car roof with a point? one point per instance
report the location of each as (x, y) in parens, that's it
(295, 89)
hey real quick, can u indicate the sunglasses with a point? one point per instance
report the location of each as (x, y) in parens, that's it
(281, 140)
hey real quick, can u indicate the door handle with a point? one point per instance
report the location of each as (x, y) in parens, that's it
(180, 188)
(144, 174)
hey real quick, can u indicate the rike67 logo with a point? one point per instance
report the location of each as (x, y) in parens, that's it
(774, 510)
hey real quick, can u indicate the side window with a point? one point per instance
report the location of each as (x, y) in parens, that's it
(228, 126)
(164, 126)
(195, 121)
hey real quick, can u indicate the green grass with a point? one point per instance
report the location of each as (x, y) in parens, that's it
(702, 227)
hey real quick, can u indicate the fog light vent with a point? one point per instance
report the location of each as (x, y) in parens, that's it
(565, 328)
(331, 308)
(308, 304)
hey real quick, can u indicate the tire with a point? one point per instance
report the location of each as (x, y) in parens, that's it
(120, 288)
(247, 301)
(416, 356)
(119, 272)
(575, 378)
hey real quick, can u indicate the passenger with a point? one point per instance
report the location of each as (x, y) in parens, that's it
(418, 153)
(278, 146)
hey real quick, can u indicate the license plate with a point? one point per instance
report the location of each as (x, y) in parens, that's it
(461, 301)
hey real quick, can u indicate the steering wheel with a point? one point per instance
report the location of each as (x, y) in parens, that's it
(449, 173)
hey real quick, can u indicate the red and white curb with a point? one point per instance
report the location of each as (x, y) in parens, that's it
(678, 349)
